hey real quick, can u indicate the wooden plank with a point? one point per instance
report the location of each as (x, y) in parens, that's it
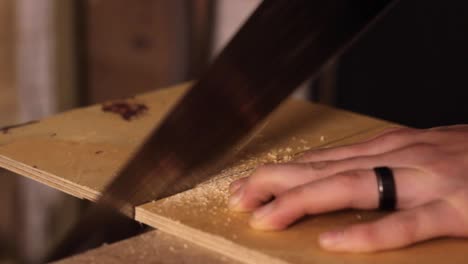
(228, 232)
(152, 247)
(79, 152)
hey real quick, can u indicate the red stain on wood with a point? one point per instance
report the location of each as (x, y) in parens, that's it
(127, 110)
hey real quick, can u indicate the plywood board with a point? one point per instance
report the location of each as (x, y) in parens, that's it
(80, 151)
(152, 247)
(201, 216)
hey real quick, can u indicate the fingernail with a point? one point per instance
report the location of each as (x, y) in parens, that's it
(235, 199)
(234, 186)
(330, 240)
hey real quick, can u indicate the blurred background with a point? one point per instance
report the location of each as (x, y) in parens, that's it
(61, 54)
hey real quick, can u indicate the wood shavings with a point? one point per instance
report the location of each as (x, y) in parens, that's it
(279, 156)
(202, 197)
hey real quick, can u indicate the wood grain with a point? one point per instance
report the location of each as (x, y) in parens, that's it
(80, 151)
(152, 247)
(201, 216)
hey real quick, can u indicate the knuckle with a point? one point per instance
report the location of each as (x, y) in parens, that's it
(262, 173)
(317, 166)
(423, 152)
(407, 229)
(309, 155)
(347, 184)
(366, 235)
(298, 195)
(457, 209)
(437, 135)
(274, 178)
(396, 135)
(440, 169)
(347, 181)
(264, 169)
(286, 199)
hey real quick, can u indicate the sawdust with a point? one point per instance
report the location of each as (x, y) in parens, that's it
(279, 155)
(211, 197)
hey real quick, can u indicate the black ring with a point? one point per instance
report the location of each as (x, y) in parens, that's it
(386, 188)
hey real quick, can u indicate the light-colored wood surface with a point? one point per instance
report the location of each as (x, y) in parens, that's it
(152, 247)
(78, 152)
(200, 215)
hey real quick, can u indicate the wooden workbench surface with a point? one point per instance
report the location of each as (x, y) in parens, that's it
(80, 151)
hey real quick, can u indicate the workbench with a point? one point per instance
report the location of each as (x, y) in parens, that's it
(80, 151)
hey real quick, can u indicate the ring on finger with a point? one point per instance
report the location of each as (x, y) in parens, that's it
(386, 188)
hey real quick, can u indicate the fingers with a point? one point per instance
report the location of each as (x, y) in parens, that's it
(387, 141)
(357, 189)
(352, 189)
(412, 156)
(394, 231)
(266, 182)
(270, 181)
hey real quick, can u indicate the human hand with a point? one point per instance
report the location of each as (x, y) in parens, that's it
(431, 176)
